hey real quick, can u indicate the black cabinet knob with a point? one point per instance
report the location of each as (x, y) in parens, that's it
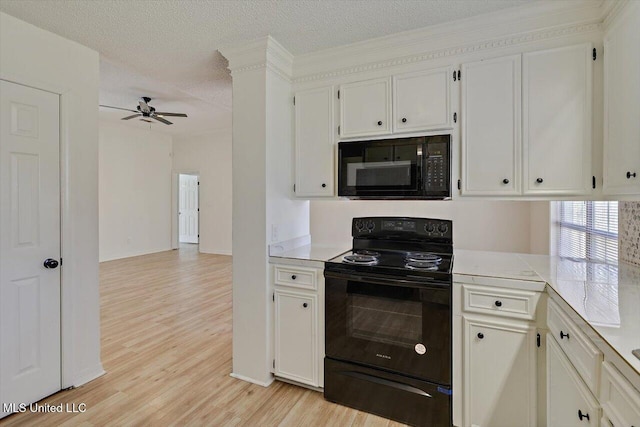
(563, 335)
(498, 303)
(50, 263)
(539, 180)
(404, 120)
(305, 305)
(324, 185)
(293, 277)
(379, 123)
(629, 175)
(505, 181)
(581, 415)
(480, 335)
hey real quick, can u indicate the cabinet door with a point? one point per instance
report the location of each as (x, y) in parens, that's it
(296, 324)
(314, 142)
(421, 101)
(490, 127)
(569, 401)
(365, 108)
(557, 120)
(622, 104)
(499, 373)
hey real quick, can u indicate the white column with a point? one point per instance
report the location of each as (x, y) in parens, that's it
(262, 195)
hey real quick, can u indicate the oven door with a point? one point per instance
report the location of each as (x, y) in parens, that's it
(398, 325)
(379, 169)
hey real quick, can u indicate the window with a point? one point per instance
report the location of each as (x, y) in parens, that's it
(588, 231)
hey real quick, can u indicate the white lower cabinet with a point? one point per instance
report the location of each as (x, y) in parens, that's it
(296, 334)
(499, 372)
(298, 327)
(569, 401)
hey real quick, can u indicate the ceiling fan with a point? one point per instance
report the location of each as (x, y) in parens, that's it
(143, 110)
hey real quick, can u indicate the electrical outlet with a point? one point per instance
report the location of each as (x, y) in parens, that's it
(274, 233)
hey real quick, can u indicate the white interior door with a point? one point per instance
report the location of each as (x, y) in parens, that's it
(188, 209)
(30, 234)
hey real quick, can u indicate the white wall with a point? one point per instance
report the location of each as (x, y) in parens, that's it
(210, 156)
(135, 191)
(540, 228)
(502, 226)
(37, 58)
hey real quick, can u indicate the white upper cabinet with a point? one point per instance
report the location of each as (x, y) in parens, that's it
(551, 153)
(421, 101)
(314, 134)
(556, 120)
(490, 127)
(365, 108)
(622, 103)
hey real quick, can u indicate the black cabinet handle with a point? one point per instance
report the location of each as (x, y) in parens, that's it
(562, 335)
(324, 185)
(480, 335)
(539, 180)
(581, 415)
(505, 181)
(629, 175)
(379, 123)
(293, 277)
(404, 120)
(498, 303)
(305, 305)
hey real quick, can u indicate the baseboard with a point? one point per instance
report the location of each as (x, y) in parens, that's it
(251, 380)
(133, 254)
(88, 375)
(215, 252)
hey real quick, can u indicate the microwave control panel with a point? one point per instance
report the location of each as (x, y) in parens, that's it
(437, 167)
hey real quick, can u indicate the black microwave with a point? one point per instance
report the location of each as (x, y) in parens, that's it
(401, 168)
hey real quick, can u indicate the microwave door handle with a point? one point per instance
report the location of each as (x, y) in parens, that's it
(419, 165)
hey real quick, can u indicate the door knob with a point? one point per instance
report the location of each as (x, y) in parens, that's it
(50, 263)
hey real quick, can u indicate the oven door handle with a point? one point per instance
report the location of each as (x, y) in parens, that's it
(387, 282)
(386, 382)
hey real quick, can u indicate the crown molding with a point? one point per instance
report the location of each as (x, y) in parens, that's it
(523, 24)
(261, 53)
(612, 9)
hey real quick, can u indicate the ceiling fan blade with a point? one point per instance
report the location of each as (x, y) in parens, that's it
(118, 108)
(160, 119)
(171, 114)
(131, 117)
(145, 120)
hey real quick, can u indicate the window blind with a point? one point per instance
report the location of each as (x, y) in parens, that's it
(588, 231)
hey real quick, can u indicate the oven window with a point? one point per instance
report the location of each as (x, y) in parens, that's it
(384, 320)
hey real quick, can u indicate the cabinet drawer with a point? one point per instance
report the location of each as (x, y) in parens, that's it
(297, 277)
(500, 302)
(620, 400)
(584, 355)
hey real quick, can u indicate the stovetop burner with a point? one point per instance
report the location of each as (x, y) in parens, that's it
(422, 265)
(360, 259)
(424, 257)
(367, 252)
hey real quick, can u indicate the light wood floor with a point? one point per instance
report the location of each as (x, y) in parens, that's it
(166, 347)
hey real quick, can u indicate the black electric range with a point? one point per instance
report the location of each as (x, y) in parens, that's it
(388, 320)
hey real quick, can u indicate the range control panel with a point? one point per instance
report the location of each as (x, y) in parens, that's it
(408, 227)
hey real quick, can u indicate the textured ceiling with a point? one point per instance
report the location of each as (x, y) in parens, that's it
(167, 49)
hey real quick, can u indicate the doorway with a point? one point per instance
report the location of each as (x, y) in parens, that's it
(188, 209)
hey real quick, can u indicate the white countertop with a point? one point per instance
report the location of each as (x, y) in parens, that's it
(606, 297)
(310, 252)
